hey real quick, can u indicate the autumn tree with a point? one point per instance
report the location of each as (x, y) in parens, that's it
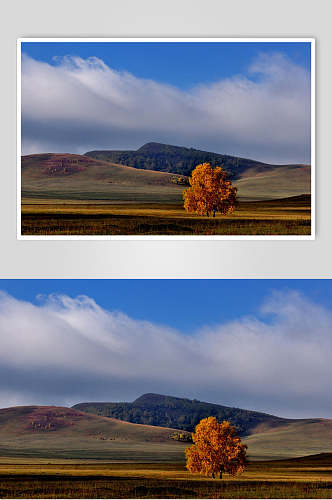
(210, 191)
(216, 449)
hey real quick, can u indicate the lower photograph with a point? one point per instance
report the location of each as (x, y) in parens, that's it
(119, 388)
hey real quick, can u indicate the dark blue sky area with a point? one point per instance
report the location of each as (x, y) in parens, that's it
(183, 304)
(182, 64)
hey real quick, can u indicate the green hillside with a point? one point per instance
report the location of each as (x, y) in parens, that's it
(176, 159)
(179, 413)
(181, 160)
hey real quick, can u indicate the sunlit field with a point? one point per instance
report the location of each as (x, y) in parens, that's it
(59, 217)
(309, 477)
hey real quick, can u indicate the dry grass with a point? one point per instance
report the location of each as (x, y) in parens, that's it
(302, 478)
(297, 438)
(56, 217)
(54, 432)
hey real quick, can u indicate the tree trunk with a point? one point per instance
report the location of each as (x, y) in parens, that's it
(212, 475)
(220, 472)
(214, 212)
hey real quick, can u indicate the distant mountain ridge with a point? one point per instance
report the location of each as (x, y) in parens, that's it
(178, 159)
(180, 413)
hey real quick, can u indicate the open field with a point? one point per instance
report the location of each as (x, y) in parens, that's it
(309, 477)
(68, 217)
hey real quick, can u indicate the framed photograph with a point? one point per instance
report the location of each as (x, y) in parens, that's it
(166, 138)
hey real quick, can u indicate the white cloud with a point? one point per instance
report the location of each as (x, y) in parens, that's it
(66, 350)
(81, 104)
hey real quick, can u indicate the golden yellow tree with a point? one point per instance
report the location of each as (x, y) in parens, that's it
(210, 191)
(216, 449)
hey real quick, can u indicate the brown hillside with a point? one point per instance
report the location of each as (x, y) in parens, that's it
(50, 431)
(68, 176)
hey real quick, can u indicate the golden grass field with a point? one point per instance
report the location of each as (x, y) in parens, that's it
(59, 217)
(309, 477)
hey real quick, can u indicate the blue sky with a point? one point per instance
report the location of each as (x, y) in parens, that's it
(183, 304)
(181, 64)
(226, 97)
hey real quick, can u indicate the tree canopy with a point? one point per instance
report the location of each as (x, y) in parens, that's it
(210, 191)
(216, 449)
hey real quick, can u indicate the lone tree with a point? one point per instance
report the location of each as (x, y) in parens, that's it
(210, 191)
(216, 449)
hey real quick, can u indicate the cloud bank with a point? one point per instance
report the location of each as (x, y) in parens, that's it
(82, 104)
(68, 350)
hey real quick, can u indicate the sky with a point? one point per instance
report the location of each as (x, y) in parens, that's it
(264, 345)
(245, 99)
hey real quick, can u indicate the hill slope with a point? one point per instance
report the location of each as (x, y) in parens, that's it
(67, 176)
(254, 179)
(179, 413)
(176, 159)
(181, 160)
(98, 176)
(296, 439)
(57, 432)
(50, 431)
(268, 437)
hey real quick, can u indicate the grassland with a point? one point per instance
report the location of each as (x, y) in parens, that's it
(277, 182)
(55, 432)
(58, 452)
(296, 438)
(43, 216)
(76, 177)
(81, 177)
(66, 194)
(309, 477)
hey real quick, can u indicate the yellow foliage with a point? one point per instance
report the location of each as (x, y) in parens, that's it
(216, 449)
(210, 191)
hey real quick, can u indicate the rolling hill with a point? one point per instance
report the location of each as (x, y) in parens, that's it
(51, 431)
(66, 433)
(254, 179)
(181, 413)
(176, 159)
(295, 439)
(77, 177)
(268, 437)
(155, 173)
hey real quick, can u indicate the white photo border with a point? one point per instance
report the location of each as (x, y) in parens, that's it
(310, 40)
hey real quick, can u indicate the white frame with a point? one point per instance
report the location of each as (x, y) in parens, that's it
(170, 237)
